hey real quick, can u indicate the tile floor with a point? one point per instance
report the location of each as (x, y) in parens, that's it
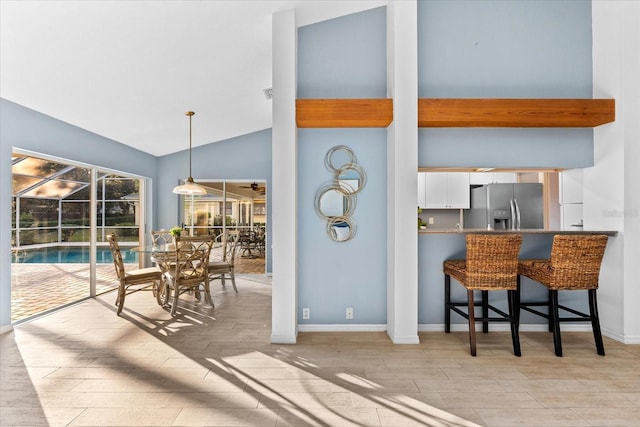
(84, 366)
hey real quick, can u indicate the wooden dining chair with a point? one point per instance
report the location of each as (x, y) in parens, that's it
(191, 268)
(491, 264)
(224, 269)
(574, 264)
(140, 278)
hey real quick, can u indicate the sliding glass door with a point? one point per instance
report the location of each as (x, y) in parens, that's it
(52, 229)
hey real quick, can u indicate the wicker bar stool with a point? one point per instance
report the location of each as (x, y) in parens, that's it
(491, 264)
(574, 265)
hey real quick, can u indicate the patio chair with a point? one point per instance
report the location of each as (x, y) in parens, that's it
(225, 268)
(140, 278)
(191, 268)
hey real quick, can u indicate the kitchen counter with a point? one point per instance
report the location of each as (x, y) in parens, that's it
(539, 231)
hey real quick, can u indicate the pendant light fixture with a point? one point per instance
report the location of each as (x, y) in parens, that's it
(190, 187)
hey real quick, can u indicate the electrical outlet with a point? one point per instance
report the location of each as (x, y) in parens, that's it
(349, 313)
(306, 313)
(431, 220)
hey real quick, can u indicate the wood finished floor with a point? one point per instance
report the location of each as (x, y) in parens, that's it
(84, 366)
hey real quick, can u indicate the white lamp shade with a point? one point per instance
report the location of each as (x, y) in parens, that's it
(190, 188)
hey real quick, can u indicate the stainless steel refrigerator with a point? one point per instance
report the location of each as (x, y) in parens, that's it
(506, 206)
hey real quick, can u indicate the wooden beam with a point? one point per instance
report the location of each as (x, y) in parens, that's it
(344, 113)
(462, 112)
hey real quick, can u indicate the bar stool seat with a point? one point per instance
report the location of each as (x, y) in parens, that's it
(574, 264)
(491, 264)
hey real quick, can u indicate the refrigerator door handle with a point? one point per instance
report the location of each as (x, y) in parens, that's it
(515, 202)
(512, 217)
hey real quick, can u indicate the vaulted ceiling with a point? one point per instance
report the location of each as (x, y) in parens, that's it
(129, 70)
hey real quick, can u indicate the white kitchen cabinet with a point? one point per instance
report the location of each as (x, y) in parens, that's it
(483, 178)
(422, 190)
(570, 182)
(445, 190)
(571, 216)
(505, 177)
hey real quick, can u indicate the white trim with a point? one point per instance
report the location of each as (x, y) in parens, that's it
(283, 339)
(6, 329)
(342, 328)
(625, 339)
(504, 327)
(411, 339)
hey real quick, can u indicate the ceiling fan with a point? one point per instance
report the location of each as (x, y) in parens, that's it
(255, 187)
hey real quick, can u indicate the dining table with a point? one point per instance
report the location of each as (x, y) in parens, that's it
(163, 255)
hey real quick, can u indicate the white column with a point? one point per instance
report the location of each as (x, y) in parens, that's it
(612, 186)
(402, 173)
(284, 326)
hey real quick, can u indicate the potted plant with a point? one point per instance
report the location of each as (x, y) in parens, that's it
(421, 224)
(175, 231)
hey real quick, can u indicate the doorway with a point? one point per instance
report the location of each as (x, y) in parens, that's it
(232, 205)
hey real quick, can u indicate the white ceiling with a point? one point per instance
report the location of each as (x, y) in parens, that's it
(129, 70)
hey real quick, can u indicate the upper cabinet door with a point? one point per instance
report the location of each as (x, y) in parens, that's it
(484, 178)
(458, 192)
(570, 186)
(480, 178)
(422, 190)
(446, 190)
(436, 190)
(505, 177)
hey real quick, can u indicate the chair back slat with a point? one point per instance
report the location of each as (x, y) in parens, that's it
(230, 246)
(161, 237)
(192, 259)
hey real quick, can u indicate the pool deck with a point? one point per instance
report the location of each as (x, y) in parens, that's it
(36, 288)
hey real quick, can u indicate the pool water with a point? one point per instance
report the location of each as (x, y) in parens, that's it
(62, 255)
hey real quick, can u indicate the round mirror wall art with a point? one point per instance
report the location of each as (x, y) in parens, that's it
(336, 201)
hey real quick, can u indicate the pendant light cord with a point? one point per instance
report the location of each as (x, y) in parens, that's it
(190, 114)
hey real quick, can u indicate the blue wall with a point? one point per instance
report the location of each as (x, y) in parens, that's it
(332, 275)
(29, 130)
(505, 49)
(343, 58)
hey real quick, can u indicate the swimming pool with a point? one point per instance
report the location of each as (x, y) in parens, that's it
(69, 254)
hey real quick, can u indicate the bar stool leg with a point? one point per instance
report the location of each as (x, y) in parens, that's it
(485, 311)
(517, 309)
(595, 321)
(554, 318)
(447, 303)
(513, 308)
(550, 314)
(472, 322)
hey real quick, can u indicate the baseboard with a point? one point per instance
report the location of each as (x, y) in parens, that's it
(283, 339)
(5, 329)
(341, 328)
(504, 327)
(409, 339)
(621, 338)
